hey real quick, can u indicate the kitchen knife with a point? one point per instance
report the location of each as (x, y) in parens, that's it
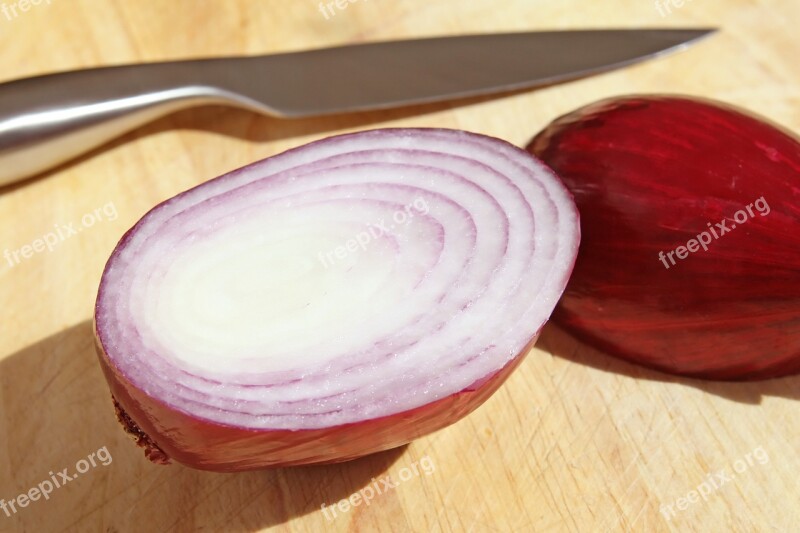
(47, 120)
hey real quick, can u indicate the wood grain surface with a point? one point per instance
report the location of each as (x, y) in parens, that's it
(575, 440)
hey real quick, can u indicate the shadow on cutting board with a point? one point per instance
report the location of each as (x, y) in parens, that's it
(560, 343)
(56, 410)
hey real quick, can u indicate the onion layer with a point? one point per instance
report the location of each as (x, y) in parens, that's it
(332, 301)
(690, 257)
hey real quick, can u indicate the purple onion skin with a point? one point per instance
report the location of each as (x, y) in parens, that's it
(648, 174)
(168, 434)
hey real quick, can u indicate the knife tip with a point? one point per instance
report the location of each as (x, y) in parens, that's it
(697, 33)
(686, 36)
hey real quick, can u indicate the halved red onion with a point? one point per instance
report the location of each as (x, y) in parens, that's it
(690, 257)
(338, 299)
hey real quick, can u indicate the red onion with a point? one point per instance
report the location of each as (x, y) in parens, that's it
(690, 257)
(332, 301)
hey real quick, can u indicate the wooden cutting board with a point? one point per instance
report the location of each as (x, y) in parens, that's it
(575, 440)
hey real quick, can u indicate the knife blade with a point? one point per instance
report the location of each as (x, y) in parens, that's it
(47, 120)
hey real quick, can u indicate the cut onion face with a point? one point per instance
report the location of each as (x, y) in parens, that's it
(338, 299)
(690, 256)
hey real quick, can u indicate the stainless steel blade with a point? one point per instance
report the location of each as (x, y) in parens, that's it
(392, 74)
(47, 120)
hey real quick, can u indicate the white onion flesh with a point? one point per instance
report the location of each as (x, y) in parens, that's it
(229, 301)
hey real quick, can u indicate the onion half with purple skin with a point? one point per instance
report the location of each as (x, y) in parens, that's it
(336, 300)
(690, 256)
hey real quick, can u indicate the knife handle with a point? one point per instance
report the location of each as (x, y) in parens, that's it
(50, 119)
